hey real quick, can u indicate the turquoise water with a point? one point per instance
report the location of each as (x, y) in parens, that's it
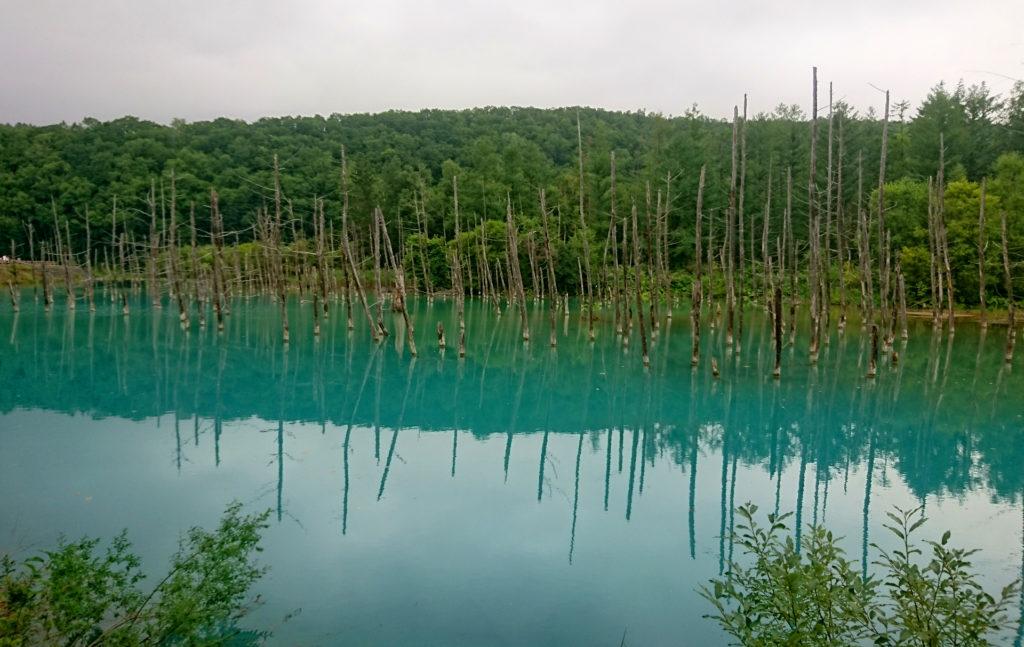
(521, 496)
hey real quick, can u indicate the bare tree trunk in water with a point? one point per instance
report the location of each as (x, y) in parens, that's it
(375, 331)
(739, 224)
(319, 288)
(937, 276)
(194, 262)
(550, 262)
(173, 245)
(826, 261)
(841, 239)
(14, 295)
(944, 238)
(864, 239)
(282, 288)
(901, 285)
(215, 239)
(982, 244)
(63, 255)
(399, 272)
(697, 290)
(639, 296)
(666, 279)
(777, 371)
(378, 286)
(515, 274)
(89, 287)
(612, 231)
(814, 229)
(460, 290)
(652, 310)
(1011, 330)
(730, 242)
(792, 256)
(768, 288)
(585, 238)
(883, 274)
(154, 248)
(873, 362)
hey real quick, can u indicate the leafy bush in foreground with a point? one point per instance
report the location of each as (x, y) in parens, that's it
(817, 596)
(77, 595)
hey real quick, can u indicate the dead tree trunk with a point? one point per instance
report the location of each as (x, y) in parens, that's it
(873, 361)
(792, 256)
(194, 262)
(944, 239)
(215, 236)
(666, 280)
(421, 229)
(15, 306)
(399, 272)
(32, 259)
(113, 232)
(627, 324)
(730, 234)
(172, 243)
(777, 371)
(768, 284)
(47, 291)
(883, 275)
(62, 254)
(1011, 323)
(378, 286)
(347, 252)
(901, 285)
(826, 260)
(864, 251)
(697, 290)
(841, 232)
(627, 310)
(89, 286)
(320, 229)
(814, 228)
(612, 233)
(637, 271)
(11, 278)
(281, 278)
(698, 239)
(934, 246)
(584, 236)
(154, 248)
(889, 334)
(550, 263)
(460, 289)
(982, 244)
(710, 291)
(69, 260)
(741, 269)
(318, 281)
(651, 310)
(515, 274)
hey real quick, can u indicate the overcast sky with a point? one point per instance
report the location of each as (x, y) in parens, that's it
(63, 60)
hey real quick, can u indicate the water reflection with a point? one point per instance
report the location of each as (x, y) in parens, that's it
(599, 447)
(948, 415)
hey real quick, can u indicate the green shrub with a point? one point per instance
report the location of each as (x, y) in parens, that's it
(77, 595)
(817, 597)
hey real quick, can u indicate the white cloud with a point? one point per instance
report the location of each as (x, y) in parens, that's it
(66, 59)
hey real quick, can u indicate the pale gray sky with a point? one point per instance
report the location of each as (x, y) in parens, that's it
(200, 59)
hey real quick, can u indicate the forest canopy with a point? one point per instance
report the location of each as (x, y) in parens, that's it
(396, 160)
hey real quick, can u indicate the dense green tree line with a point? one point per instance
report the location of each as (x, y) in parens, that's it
(49, 174)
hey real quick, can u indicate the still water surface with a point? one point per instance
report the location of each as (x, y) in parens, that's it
(520, 496)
